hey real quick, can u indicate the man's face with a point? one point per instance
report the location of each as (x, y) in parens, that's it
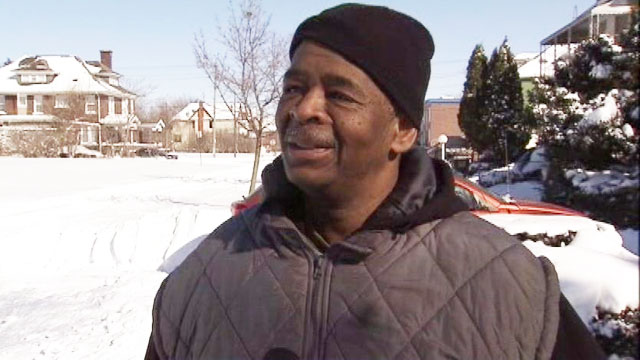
(335, 125)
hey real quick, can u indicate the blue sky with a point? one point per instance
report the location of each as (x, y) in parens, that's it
(152, 40)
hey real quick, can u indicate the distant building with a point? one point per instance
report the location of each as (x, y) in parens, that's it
(441, 118)
(196, 120)
(38, 92)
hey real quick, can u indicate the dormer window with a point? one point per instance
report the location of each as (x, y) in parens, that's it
(33, 78)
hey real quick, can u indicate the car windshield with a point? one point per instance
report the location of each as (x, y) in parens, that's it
(475, 196)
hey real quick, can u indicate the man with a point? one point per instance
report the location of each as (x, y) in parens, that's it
(361, 250)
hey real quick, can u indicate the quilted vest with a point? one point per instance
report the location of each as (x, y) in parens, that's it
(454, 288)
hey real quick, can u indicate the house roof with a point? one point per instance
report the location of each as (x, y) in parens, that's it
(189, 111)
(71, 74)
(580, 25)
(532, 69)
(443, 100)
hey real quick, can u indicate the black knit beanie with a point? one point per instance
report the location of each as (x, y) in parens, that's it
(394, 49)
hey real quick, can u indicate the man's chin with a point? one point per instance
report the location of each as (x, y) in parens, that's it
(308, 179)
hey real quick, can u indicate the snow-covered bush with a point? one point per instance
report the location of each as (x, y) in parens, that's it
(558, 240)
(587, 115)
(611, 195)
(618, 333)
(35, 144)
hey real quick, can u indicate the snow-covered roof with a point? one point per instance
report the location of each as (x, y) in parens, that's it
(33, 118)
(72, 74)
(532, 68)
(188, 112)
(581, 24)
(612, 7)
(119, 119)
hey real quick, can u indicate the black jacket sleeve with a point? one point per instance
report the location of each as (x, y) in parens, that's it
(574, 341)
(151, 353)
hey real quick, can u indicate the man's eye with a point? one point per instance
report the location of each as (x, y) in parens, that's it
(291, 89)
(337, 95)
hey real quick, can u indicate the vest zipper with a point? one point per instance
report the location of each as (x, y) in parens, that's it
(316, 323)
(317, 262)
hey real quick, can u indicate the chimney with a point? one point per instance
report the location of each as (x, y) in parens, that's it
(105, 58)
(200, 126)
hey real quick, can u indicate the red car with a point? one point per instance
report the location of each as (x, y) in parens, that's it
(482, 201)
(479, 200)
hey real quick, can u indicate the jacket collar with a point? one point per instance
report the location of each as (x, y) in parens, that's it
(424, 192)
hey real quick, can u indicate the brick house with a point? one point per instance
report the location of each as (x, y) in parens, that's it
(441, 118)
(38, 93)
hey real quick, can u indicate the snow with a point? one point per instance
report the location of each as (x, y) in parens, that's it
(593, 270)
(602, 182)
(73, 74)
(532, 68)
(82, 242)
(604, 114)
(601, 71)
(85, 243)
(82, 150)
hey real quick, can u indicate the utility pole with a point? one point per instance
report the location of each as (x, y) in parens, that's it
(235, 128)
(214, 122)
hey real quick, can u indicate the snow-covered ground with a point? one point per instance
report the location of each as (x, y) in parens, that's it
(84, 244)
(81, 242)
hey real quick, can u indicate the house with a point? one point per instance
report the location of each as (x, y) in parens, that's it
(52, 92)
(441, 118)
(151, 134)
(609, 17)
(197, 121)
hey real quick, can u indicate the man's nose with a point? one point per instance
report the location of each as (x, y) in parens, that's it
(310, 107)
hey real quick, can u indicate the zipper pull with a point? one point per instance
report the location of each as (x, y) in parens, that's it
(316, 267)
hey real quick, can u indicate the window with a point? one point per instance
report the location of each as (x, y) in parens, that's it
(118, 106)
(22, 100)
(62, 102)
(90, 104)
(37, 104)
(125, 106)
(33, 78)
(3, 109)
(112, 105)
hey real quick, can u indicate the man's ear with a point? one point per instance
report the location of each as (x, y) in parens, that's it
(405, 136)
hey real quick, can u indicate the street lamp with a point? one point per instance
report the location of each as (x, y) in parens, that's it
(442, 140)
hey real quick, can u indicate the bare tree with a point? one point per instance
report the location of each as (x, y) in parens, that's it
(248, 75)
(69, 112)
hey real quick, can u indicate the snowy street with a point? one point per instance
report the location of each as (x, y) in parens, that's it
(84, 242)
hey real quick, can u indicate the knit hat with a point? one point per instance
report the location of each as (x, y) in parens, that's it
(394, 49)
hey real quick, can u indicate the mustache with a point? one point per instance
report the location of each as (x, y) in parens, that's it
(309, 135)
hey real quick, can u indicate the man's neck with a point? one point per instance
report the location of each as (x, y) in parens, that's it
(335, 217)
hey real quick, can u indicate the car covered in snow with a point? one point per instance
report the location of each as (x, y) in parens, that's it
(155, 152)
(480, 201)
